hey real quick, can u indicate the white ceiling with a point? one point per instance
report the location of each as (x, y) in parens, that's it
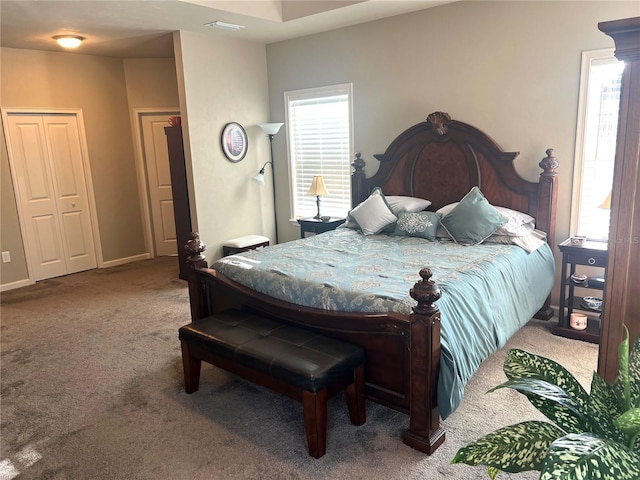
(132, 28)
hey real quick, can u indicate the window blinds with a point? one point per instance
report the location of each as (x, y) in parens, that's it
(320, 144)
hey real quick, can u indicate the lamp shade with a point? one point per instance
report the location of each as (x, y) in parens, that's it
(317, 187)
(606, 204)
(259, 177)
(270, 128)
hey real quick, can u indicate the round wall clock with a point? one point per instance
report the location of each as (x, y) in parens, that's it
(234, 141)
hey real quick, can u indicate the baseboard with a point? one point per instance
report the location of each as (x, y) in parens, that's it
(13, 285)
(122, 261)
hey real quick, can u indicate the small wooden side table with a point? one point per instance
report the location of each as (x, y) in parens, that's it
(591, 254)
(314, 225)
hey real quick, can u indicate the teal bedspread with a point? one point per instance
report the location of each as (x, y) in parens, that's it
(489, 291)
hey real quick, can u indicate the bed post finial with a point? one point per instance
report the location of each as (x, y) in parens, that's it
(358, 162)
(549, 164)
(426, 292)
(195, 247)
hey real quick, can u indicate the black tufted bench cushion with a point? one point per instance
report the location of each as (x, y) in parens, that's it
(301, 364)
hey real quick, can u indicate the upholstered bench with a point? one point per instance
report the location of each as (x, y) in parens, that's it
(301, 364)
(242, 244)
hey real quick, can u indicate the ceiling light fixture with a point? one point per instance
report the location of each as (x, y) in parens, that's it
(224, 26)
(69, 41)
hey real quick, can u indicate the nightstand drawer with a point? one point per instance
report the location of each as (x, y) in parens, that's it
(587, 259)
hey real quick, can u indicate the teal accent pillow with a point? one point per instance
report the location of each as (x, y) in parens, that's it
(419, 224)
(473, 219)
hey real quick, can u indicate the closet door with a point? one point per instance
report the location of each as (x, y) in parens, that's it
(50, 184)
(156, 157)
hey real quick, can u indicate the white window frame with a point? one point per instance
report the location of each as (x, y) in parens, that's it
(308, 93)
(588, 58)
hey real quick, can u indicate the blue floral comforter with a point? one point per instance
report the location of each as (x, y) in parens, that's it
(489, 291)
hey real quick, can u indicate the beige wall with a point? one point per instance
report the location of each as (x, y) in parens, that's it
(509, 68)
(105, 89)
(224, 80)
(10, 238)
(151, 82)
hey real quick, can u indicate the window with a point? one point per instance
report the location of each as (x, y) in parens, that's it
(320, 143)
(596, 142)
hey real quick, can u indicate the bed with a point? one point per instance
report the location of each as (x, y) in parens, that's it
(396, 305)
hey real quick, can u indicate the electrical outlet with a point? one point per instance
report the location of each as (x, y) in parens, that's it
(6, 257)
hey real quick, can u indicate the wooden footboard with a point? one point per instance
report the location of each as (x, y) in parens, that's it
(403, 352)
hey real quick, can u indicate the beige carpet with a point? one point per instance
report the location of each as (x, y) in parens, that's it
(92, 389)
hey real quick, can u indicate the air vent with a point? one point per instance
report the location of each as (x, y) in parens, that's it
(232, 27)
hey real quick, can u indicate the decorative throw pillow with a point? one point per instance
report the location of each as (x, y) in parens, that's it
(417, 224)
(399, 203)
(473, 219)
(373, 214)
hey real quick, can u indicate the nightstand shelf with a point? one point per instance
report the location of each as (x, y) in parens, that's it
(591, 254)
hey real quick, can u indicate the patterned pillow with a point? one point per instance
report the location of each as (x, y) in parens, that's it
(419, 224)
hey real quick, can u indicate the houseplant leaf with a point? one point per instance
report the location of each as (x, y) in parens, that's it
(552, 401)
(634, 373)
(629, 423)
(521, 364)
(516, 448)
(585, 456)
(623, 369)
(603, 409)
(627, 382)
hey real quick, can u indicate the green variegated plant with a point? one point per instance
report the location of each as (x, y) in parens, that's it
(593, 435)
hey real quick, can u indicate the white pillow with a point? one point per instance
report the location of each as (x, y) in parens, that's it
(373, 214)
(447, 208)
(518, 224)
(400, 203)
(529, 243)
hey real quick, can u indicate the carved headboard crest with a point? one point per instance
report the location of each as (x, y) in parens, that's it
(439, 121)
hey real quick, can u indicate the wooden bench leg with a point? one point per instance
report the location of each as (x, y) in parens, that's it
(315, 421)
(354, 394)
(191, 366)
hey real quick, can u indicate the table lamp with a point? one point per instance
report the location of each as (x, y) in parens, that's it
(317, 188)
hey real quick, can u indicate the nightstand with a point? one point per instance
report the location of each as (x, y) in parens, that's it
(314, 225)
(591, 254)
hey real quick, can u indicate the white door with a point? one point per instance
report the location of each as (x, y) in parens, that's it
(52, 194)
(156, 156)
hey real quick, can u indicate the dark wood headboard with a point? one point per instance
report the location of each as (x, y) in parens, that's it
(442, 159)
